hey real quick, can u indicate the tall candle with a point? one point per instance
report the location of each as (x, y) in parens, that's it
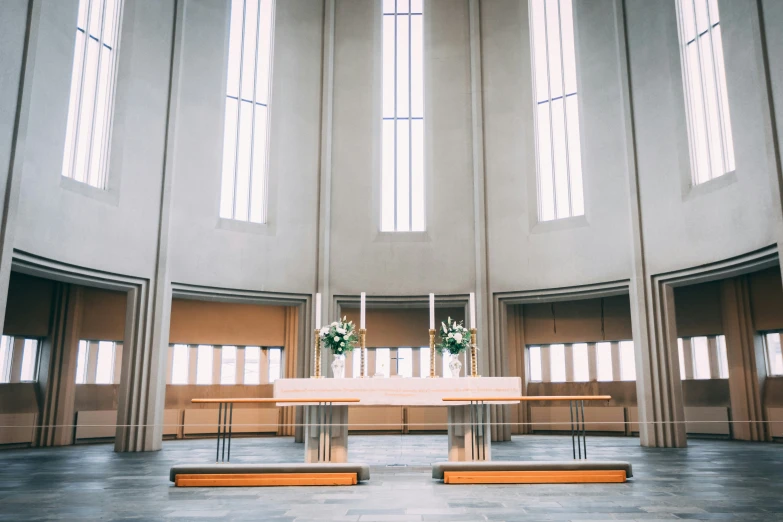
(361, 315)
(432, 311)
(472, 310)
(317, 310)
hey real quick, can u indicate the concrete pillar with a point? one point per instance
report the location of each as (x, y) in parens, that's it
(658, 388)
(416, 362)
(687, 357)
(569, 362)
(592, 363)
(169, 364)
(263, 367)
(217, 364)
(616, 367)
(240, 367)
(546, 364)
(393, 362)
(17, 354)
(92, 362)
(118, 364)
(712, 347)
(57, 368)
(747, 366)
(192, 363)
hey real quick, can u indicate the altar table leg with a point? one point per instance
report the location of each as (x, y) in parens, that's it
(326, 433)
(469, 433)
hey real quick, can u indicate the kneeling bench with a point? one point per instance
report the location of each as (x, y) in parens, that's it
(215, 475)
(531, 472)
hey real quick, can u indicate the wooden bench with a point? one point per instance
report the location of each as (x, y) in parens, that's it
(221, 475)
(531, 472)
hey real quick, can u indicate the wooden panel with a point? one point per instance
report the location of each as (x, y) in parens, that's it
(29, 306)
(707, 420)
(396, 327)
(375, 418)
(698, 310)
(96, 424)
(266, 479)
(558, 418)
(171, 422)
(766, 298)
(427, 418)
(103, 316)
(245, 420)
(206, 322)
(775, 416)
(534, 477)
(17, 428)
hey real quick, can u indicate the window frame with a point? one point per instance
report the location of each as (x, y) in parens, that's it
(73, 127)
(720, 90)
(232, 222)
(577, 155)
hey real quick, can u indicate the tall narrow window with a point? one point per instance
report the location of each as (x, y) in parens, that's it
(243, 186)
(774, 354)
(603, 361)
(275, 367)
(701, 358)
(706, 99)
(204, 364)
(581, 362)
(252, 365)
(92, 92)
(29, 361)
(558, 147)
(424, 361)
(402, 132)
(627, 361)
(382, 362)
(180, 364)
(6, 357)
(534, 364)
(104, 369)
(228, 365)
(557, 361)
(405, 362)
(81, 362)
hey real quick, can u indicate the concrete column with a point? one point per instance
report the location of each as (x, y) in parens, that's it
(371, 362)
(92, 362)
(118, 364)
(569, 362)
(217, 363)
(658, 388)
(616, 367)
(416, 362)
(19, 26)
(546, 364)
(687, 357)
(17, 354)
(747, 366)
(263, 367)
(592, 363)
(192, 363)
(240, 368)
(169, 364)
(392, 362)
(57, 368)
(712, 351)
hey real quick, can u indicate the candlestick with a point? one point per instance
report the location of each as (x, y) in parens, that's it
(432, 311)
(317, 319)
(472, 310)
(362, 352)
(432, 353)
(473, 358)
(317, 354)
(361, 314)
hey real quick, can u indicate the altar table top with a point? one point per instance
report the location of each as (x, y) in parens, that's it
(400, 391)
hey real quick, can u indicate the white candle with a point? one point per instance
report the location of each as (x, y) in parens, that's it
(472, 310)
(362, 314)
(317, 310)
(432, 311)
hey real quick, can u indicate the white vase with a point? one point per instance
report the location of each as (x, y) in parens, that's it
(455, 365)
(338, 366)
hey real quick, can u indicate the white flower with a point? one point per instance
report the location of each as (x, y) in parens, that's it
(451, 335)
(342, 344)
(458, 337)
(324, 331)
(341, 330)
(336, 338)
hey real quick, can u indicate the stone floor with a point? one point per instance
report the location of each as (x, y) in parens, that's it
(710, 480)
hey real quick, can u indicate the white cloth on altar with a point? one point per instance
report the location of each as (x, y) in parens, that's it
(401, 391)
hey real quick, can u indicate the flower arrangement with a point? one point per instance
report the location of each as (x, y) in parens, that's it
(454, 337)
(339, 337)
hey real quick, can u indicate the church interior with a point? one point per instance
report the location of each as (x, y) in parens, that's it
(391, 260)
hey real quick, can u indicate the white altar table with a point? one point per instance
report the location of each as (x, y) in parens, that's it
(326, 425)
